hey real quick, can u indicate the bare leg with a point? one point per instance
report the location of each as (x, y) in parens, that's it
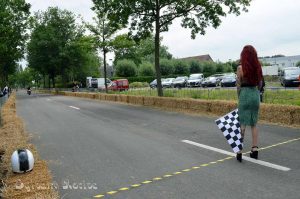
(254, 136)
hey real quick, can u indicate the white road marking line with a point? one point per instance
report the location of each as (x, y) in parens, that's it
(260, 162)
(48, 99)
(74, 107)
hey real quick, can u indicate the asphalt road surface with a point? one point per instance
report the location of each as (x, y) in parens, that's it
(109, 150)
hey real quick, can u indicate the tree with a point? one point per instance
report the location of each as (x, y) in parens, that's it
(167, 67)
(195, 67)
(126, 68)
(146, 69)
(51, 46)
(14, 21)
(103, 33)
(298, 64)
(181, 67)
(145, 16)
(126, 47)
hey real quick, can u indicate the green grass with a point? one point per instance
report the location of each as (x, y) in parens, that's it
(289, 97)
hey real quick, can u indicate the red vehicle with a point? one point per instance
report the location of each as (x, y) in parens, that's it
(119, 85)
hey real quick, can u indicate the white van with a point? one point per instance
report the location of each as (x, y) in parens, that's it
(97, 82)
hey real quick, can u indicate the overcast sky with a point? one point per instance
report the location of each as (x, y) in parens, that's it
(271, 26)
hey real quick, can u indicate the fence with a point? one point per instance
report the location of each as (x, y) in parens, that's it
(272, 95)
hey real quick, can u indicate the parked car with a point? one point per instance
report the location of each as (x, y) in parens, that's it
(153, 84)
(119, 85)
(167, 83)
(228, 81)
(289, 76)
(195, 80)
(218, 78)
(180, 82)
(210, 81)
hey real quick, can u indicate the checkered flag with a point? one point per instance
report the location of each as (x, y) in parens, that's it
(230, 126)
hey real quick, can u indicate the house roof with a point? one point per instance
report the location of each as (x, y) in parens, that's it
(200, 58)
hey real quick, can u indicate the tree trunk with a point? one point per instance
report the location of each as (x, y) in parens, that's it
(44, 80)
(53, 81)
(49, 81)
(104, 65)
(157, 44)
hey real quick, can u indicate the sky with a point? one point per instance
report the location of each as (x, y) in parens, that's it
(271, 26)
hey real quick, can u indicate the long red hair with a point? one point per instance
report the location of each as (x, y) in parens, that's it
(251, 66)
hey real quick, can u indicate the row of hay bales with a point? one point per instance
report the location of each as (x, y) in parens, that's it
(35, 184)
(271, 113)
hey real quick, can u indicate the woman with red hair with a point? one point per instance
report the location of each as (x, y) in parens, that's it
(249, 82)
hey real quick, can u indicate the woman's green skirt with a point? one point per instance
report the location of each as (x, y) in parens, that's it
(248, 106)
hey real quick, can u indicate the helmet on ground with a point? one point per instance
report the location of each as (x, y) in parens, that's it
(22, 161)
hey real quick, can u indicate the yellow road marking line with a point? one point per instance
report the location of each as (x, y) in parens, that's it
(176, 173)
(124, 189)
(99, 196)
(204, 165)
(135, 185)
(147, 182)
(187, 170)
(112, 192)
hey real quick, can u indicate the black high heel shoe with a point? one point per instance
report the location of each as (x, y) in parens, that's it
(239, 157)
(254, 154)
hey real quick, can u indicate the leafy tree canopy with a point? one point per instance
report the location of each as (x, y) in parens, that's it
(14, 20)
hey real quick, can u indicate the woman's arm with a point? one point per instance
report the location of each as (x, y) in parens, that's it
(239, 73)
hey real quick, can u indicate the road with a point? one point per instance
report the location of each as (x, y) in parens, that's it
(109, 150)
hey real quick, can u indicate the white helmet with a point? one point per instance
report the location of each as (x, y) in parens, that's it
(22, 161)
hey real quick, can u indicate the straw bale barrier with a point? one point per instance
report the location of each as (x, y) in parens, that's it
(271, 113)
(37, 183)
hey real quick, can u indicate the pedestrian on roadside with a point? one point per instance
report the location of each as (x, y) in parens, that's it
(249, 84)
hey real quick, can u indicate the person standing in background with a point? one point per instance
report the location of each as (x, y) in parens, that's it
(249, 85)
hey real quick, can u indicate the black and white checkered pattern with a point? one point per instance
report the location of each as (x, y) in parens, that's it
(230, 126)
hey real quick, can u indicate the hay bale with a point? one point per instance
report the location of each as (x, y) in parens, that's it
(124, 98)
(295, 115)
(220, 107)
(13, 137)
(149, 101)
(111, 97)
(200, 106)
(139, 100)
(282, 114)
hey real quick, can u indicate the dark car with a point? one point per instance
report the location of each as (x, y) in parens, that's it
(229, 81)
(180, 82)
(210, 81)
(289, 76)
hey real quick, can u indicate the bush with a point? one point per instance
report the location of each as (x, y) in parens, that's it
(146, 69)
(138, 85)
(181, 67)
(195, 67)
(126, 68)
(166, 67)
(137, 79)
(209, 68)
